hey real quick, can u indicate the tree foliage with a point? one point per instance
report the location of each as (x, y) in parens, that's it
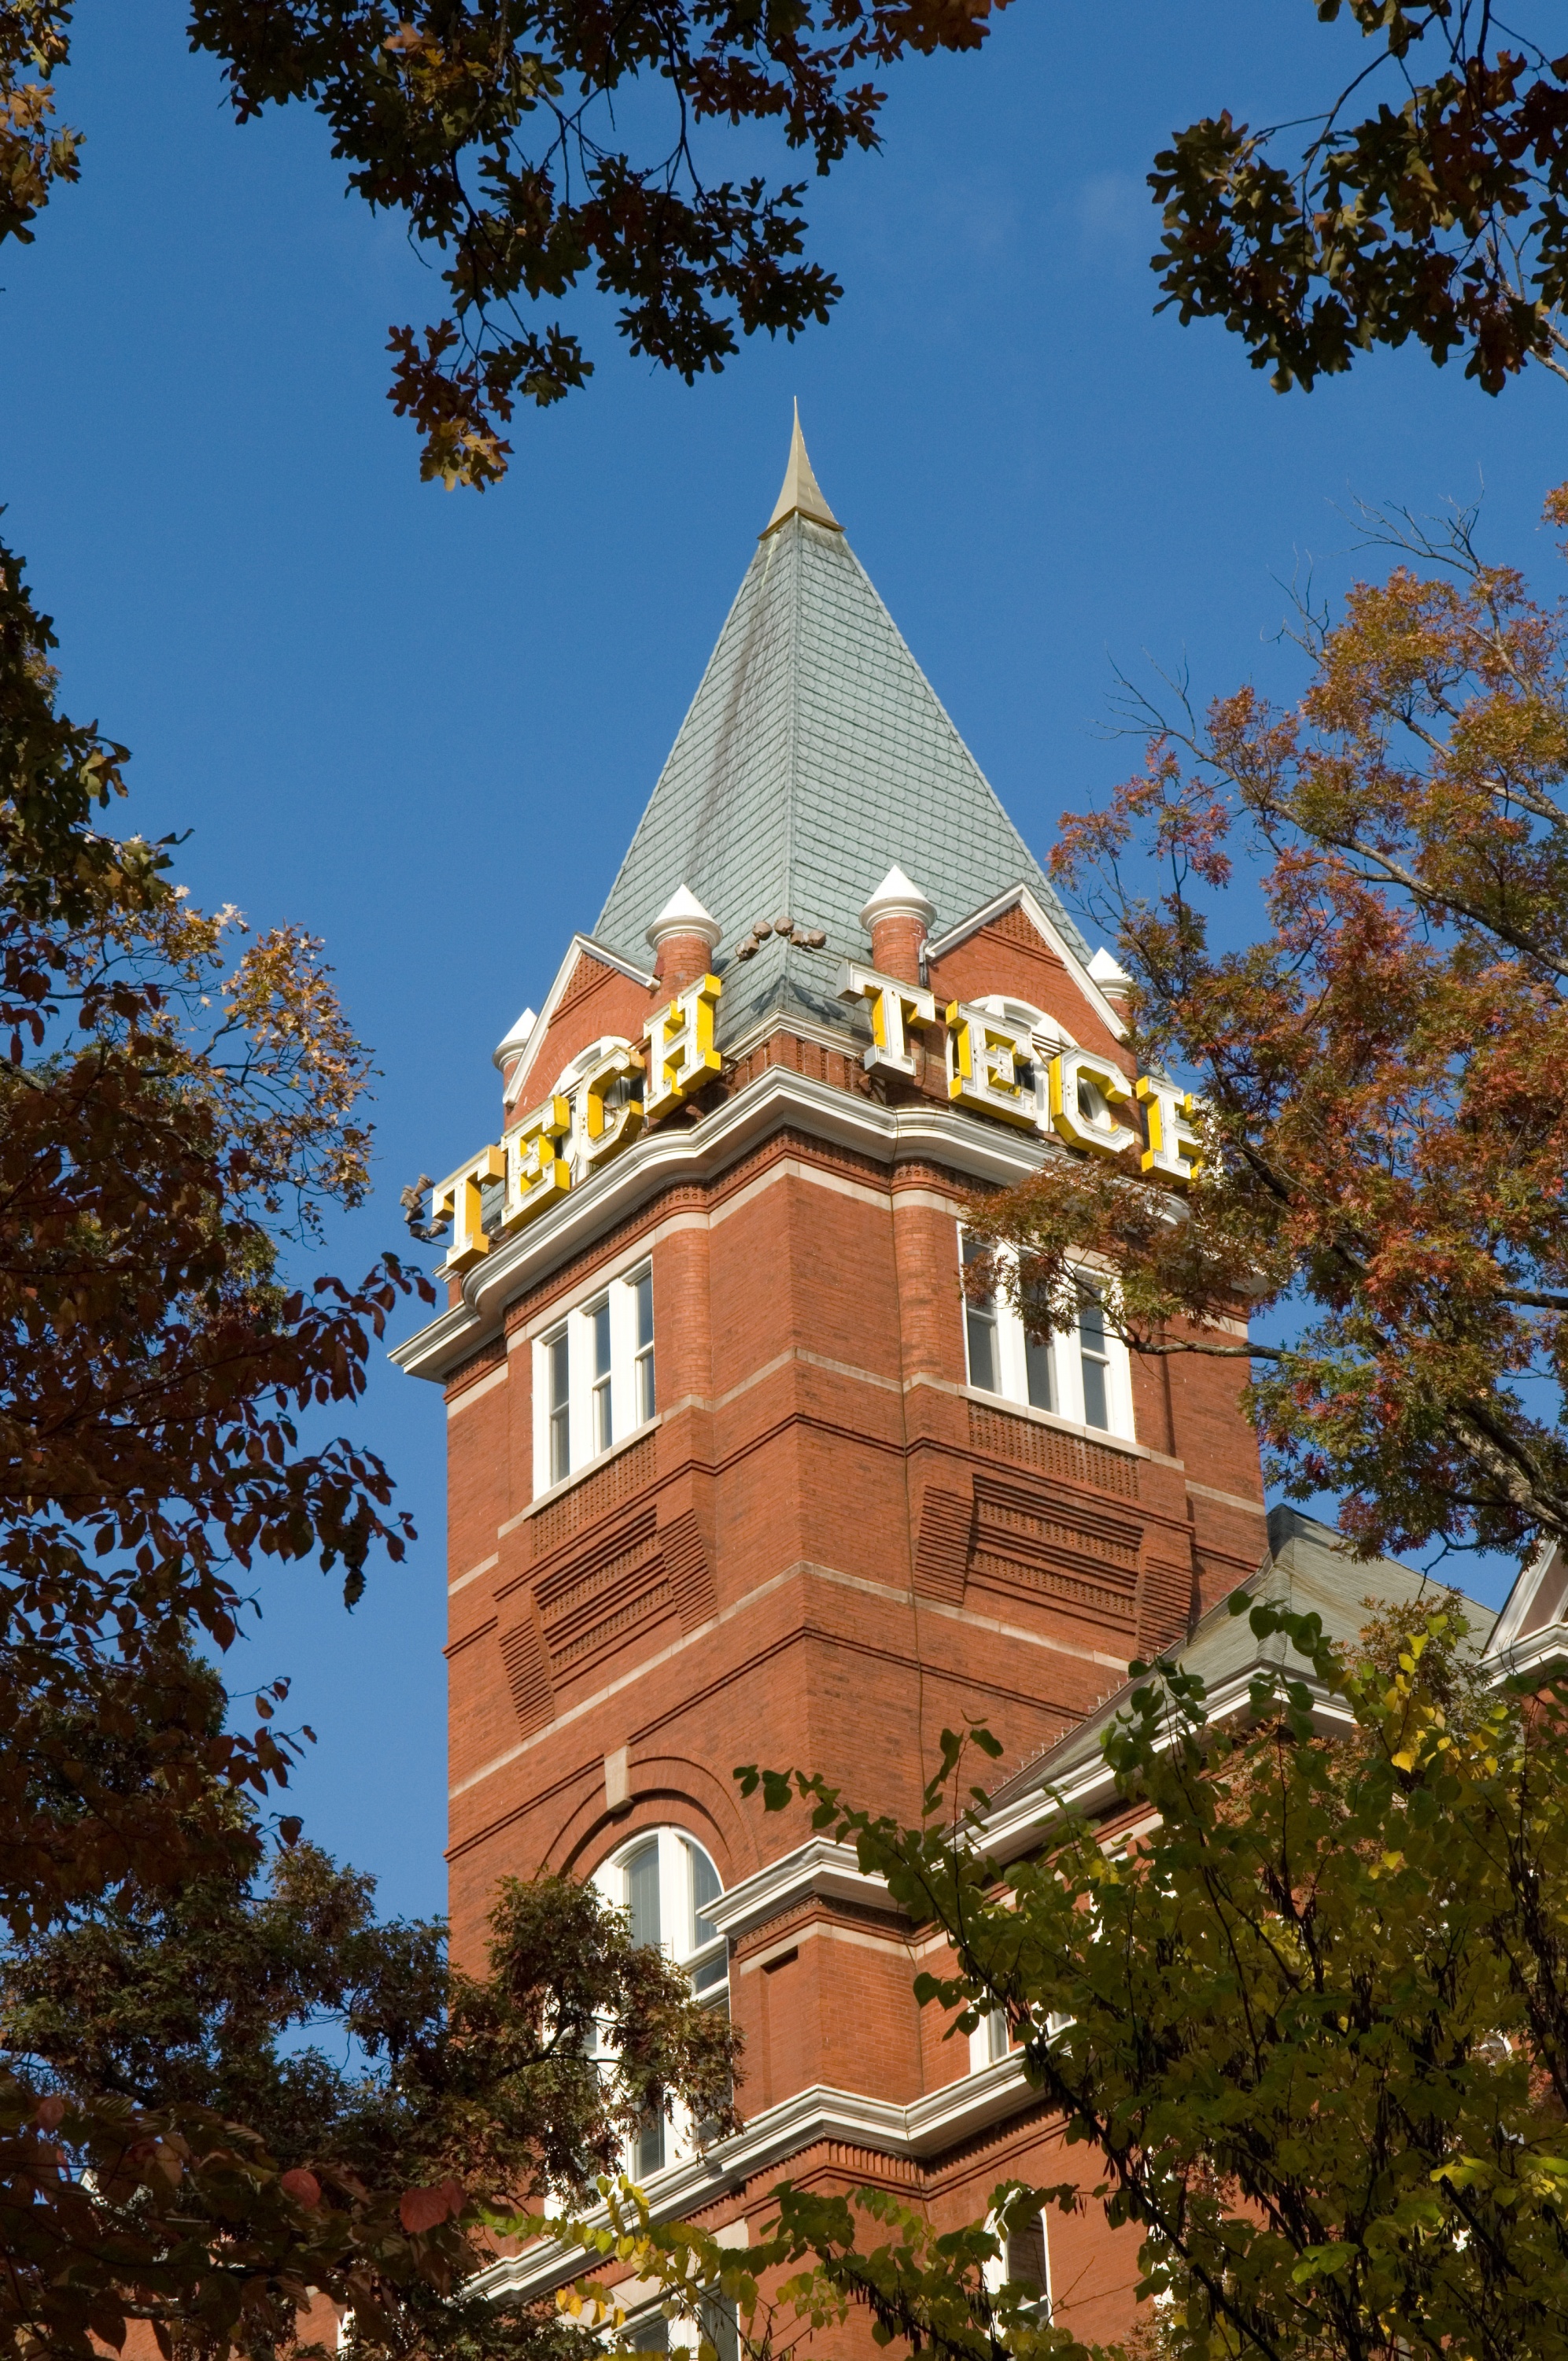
(1439, 213)
(1385, 1068)
(497, 134)
(250, 2087)
(177, 1112)
(1309, 2023)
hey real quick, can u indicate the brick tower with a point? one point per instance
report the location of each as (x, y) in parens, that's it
(735, 1472)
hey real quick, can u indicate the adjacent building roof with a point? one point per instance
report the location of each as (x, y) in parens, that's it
(815, 753)
(1307, 1568)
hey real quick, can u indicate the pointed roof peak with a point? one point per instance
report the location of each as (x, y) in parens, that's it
(683, 914)
(800, 493)
(898, 896)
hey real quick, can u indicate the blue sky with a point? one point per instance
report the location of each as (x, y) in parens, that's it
(423, 724)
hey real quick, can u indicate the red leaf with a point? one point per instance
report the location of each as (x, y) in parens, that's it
(303, 2186)
(421, 2209)
(49, 2113)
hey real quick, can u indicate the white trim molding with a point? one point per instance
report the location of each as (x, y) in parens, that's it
(817, 1868)
(938, 2120)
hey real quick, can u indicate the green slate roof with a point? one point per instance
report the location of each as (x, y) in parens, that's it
(814, 756)
(1307, 1569)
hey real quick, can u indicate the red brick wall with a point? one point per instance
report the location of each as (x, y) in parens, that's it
(825, 1552)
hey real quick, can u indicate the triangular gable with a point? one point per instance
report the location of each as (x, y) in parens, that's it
(1534, 1621)
(1023, 898)
(586, 965)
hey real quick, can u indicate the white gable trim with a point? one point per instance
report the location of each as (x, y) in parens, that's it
(1546, 1566)
(1021, 897)
(579, 946)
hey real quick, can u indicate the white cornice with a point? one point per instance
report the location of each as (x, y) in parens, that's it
(678, 1152)
(1020, 897)
(927, 2126)
(1018, 1824)
(1538, 1653)
(817, 1868)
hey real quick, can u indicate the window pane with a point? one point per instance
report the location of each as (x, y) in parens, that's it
(650, 2335)
(1037, 1359)
(997, 2040)
(719, 2324)
(705, 1889)
(600, 1315)
(560, 1445)
(651, 2151)
(560, 1370)
(1095, 1359)
(979, 1323)
(1026, 2255)
(643, 1894)
(643, 1286)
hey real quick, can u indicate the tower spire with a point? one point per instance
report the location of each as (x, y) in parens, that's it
(800, 495)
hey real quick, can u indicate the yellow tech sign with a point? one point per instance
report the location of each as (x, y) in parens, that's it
(994, 1066)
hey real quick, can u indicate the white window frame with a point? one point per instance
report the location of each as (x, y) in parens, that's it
(1066, 1352)
(706, 1961)
(994, 2272)
(631, 1395)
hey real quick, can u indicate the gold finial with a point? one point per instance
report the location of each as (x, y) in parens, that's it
(801, 494)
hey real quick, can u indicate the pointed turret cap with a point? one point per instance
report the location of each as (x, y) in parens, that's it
(1110, 977)
(898, 896)
(800, 494)
(683, 914)
(515, 1041)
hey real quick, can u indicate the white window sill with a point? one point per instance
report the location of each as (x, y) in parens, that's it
(1059, 1426)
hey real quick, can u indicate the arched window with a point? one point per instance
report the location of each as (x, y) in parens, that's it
(664, 1879)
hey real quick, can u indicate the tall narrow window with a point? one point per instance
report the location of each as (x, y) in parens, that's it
(666, 1884)
(718, 2321)
(980, 1330)
(998, 2038)
(1039, 1352)
(1096, 1358)
(559, 1356)
(643, 1894)
(650, 2335)
(1028, 2261)
(642, 1293)
(604, 1416)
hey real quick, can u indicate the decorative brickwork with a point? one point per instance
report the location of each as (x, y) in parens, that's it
(528, 1673)
(941, 1554)
(594, 1496)
(691, 1576)
(1052, 1453)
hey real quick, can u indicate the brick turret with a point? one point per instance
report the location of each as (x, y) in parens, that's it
(896, 918)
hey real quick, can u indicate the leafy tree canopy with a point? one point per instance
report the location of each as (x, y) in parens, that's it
(1428, 199)
(1308, 2026)
(247, 2092)
(1385, 1067)
(493, 130)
